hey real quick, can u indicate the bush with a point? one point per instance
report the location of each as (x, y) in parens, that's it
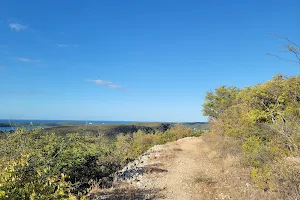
(255, 152)
(20, 179)
(130, 146)
(49, 164)
(261, 176)
(287, 177)
(175, 133)
(263, 119)
(35, 164)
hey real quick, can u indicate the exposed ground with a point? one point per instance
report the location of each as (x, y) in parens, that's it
(187, 169)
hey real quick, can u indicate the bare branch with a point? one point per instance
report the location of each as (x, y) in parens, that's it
(283, 51)
(291, 47)
(285, 38)
(294, 61)
(297, 55)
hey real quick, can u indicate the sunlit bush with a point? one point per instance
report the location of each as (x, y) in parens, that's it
(39, 165)
(263, 119)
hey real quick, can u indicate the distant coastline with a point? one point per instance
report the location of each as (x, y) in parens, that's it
(11, 125)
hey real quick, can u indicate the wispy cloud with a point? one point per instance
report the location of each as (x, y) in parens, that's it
(115, 86)
(23, 59)
(100, 82)
(26, 59)
(17, 27)
(106, 83)
(67, 45)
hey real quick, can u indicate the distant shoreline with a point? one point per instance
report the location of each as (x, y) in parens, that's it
(21, 123)
(7, 126)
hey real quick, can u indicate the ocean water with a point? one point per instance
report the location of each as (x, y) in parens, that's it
(27, 122)
(14, 128)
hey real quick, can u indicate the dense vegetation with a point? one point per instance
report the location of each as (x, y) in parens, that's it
(39, 164)
(110, 130)
(264, 120)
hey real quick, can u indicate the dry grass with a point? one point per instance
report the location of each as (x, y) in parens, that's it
(232, 176)
(204, 180)
(287, 178)
(123, 192)
(223, 146)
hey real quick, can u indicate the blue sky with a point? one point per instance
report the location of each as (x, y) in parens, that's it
(135, 60)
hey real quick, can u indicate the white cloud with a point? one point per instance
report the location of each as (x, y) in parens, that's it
(108, 83)
(26, 59)
(67, 45)
(101, 82)
(115, 86)
(23, 59)
(17, 27)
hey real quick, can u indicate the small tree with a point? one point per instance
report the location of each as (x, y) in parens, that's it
(218, 101)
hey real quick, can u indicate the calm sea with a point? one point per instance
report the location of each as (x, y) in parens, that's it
(16, 122)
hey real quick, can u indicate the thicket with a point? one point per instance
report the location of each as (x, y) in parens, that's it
(264, 120)
(109, 130)
(39, 165)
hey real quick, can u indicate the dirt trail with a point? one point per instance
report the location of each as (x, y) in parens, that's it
(188, 169)
(194, 171)
(182, 170)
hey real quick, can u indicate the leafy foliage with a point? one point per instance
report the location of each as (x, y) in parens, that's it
(35, 164)
(264, 119)
(217, 102)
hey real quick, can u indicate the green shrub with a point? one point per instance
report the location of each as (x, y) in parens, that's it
(35, 164)
(255, 151)
(21, 179)
(261, 176)
(196, 134)
(263, 119)
(142, 142)
(53, 163)
(175, 133)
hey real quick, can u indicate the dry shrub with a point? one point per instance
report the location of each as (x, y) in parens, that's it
(216, 126)
(286, 178)
(224, 146)
(231, 161)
